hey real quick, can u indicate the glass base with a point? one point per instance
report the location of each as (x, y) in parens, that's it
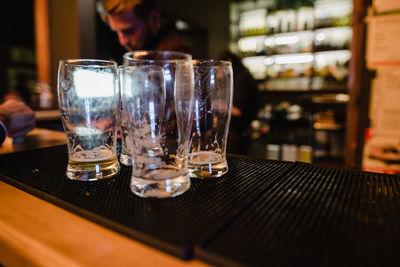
(207, 170)
(160, 188)
(92, 171)
(125, 159)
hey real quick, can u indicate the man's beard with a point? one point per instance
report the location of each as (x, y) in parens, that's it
(147, 41)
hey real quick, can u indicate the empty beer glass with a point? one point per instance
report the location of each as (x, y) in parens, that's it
(212, 114)
(89, 107)
(158, 102)
(125, 156)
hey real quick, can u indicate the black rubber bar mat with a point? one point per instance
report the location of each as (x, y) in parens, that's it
(315, 216)
(173, 225)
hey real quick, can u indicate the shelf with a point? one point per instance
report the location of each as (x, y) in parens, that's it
(318, 126)
(312, 85)
(314, 71)
(307, 92)
(325, 39)
(310, 100)
(303, 60)
(328, 126)
(336, 52)
(331, 99)
(299, 123)
(329, 28)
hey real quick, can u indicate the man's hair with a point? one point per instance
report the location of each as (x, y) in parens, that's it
(141, 8)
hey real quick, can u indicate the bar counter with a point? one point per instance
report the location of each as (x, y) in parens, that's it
(262, 213)
(37, 138)
(34, 232)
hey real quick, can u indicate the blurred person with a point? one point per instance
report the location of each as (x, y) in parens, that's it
(245, 105)
(16, 119)
(137, 24)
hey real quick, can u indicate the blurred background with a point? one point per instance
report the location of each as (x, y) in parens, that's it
(299, 52)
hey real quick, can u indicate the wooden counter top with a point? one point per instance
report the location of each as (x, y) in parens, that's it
(37, 138)
(34, 232)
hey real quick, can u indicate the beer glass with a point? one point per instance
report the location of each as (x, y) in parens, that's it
(89, 106)
(125, 156)
(158, 103)
(212, 114)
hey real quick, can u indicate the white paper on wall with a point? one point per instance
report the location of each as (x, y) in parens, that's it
(386, 5)
(382, 154)
(383, 40)
(382, 145)
(385, 104)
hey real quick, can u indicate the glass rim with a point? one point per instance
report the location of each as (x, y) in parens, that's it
(92, 62)
(175, 56)
(136, 67)
(197, 63)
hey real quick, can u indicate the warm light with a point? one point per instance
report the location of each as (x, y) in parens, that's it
(256, 66)
(286, 40)
(294, 59)
(331, 57)
(181, 25)
(320, 37)
(253, 19)
(90, 83)
(269, 61)
(342, 97)
(248, 44)
(269, 41)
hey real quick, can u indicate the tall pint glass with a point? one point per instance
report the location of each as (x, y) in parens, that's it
(158, 98)
(212, 114)
(89, 106)
(125, 156)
